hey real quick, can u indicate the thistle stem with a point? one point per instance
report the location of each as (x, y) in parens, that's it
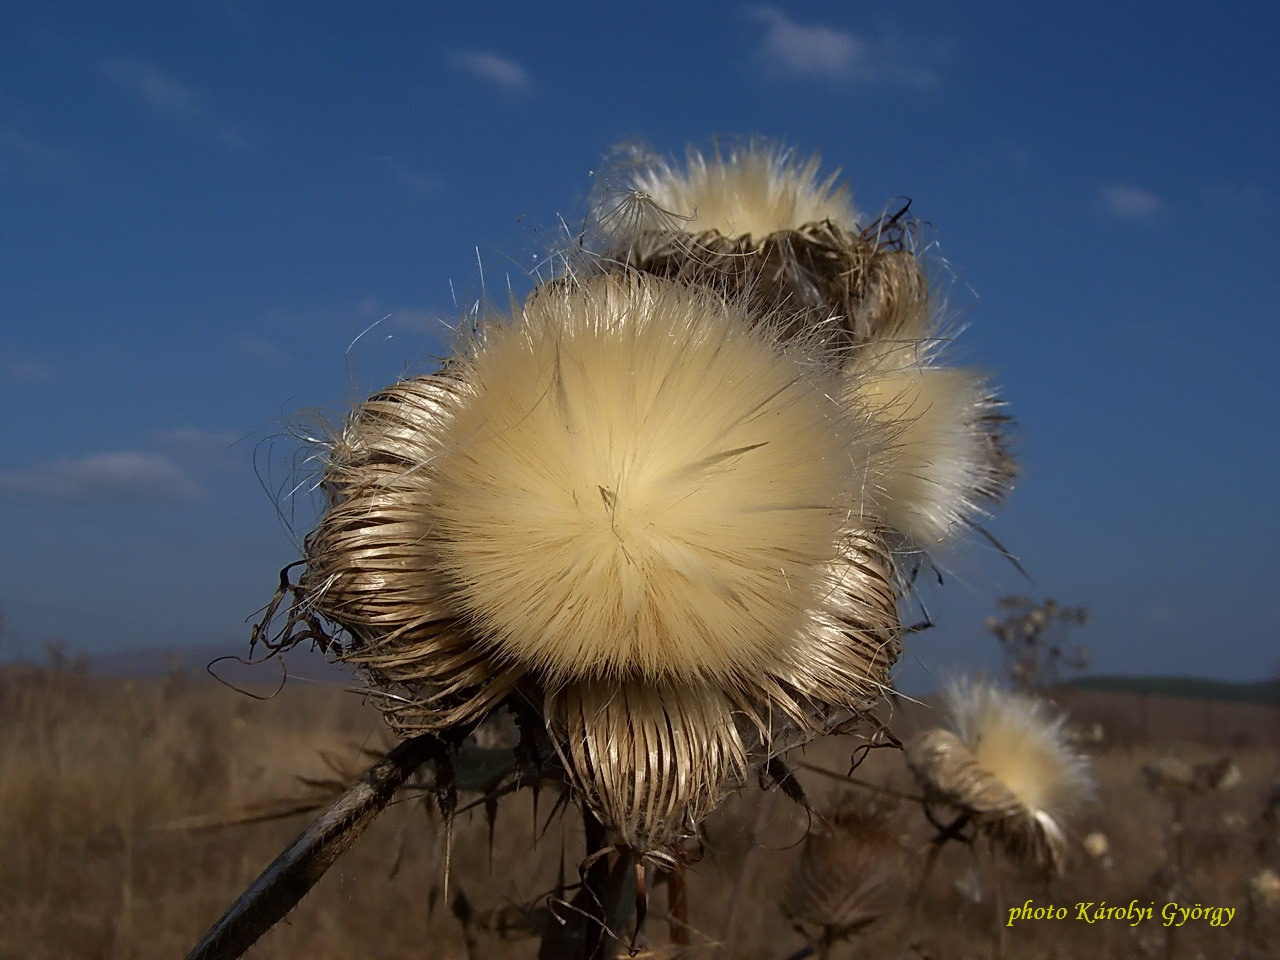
(678, 905)
(292, 874)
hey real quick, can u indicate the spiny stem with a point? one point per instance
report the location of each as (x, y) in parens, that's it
(292, 874)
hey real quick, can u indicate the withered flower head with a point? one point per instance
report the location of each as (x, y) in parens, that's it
(1006, 763)
(632, 503)
(757, 222)
(850, 871)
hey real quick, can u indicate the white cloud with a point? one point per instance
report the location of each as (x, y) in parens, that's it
(168, 97)
(822, 52)
(1130, 203)
(493, 68)
(121, 475)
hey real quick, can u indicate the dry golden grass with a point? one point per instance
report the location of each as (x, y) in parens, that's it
(92, 770)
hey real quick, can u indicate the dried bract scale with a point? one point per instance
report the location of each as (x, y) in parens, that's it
(635, 505)
(1007, 765)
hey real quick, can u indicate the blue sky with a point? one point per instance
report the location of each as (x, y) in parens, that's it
(219, 218)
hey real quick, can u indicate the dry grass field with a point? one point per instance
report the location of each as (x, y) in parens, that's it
(99, 780)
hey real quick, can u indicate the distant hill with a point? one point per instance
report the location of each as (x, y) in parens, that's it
(1264, 692)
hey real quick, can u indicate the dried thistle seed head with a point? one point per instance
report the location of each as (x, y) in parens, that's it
(947, 463)
(756, 222)
(631, 504)
(636, 483)
(1097, 846)
(1264, 890)
(753, 189)
(1007, 764)
(850, 869)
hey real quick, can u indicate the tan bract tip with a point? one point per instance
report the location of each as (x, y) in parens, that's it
(637, 483)
(752, 190)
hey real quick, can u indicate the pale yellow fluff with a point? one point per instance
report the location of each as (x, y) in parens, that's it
(1014, 738)
(638, 483)
(939, 463)
(755, 189)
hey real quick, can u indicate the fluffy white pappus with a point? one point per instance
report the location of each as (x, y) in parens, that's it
(754, 189)
(639, 483)
(1015, 739)
(945, 463)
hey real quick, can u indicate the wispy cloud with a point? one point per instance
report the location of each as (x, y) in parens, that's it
(169, 97)
(492, 68)
(826, 53)
(261, 349)
(25, 370)
(417, 182)
(159, 92)
(1130, 203)
(1246, 196)
(121, 475)
(33, 152)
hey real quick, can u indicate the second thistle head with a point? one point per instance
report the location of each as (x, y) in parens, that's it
(1004, 762)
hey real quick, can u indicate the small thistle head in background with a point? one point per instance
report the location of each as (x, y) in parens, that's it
(1098, 848)
(1007, 765)
(850, 871)
(1264, 891)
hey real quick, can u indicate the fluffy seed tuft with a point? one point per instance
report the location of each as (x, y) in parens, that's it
(754, 189)
(947, 463)
(638, 484)
(1006, 764)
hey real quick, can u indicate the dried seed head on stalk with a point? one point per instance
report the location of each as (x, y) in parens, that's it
(654, 510)
(1008, 765)
(850, 871)
(634, 504)
(755, 221)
